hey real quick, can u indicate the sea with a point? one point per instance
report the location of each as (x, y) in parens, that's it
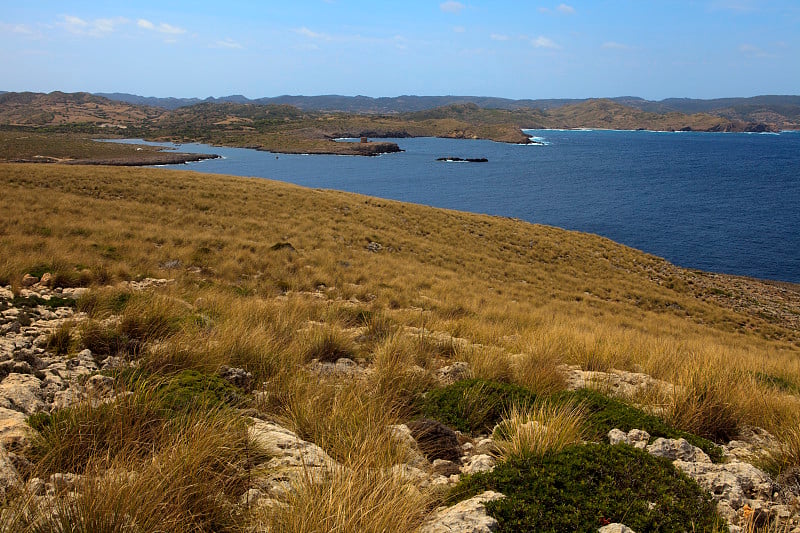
(721, 202)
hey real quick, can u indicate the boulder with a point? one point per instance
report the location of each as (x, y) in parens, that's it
(615, 528)
(29, 281)
(468, 516)
(14, 430)
(636, 437)
(21, 392)
(436, 440)
(678, 449)
(8, 474)
(478, 463)
(447, 375)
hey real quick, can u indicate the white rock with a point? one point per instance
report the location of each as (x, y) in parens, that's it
(468, 516)
(457, 371)
(21, 392)
(14, 431)
(8, 474)
(615, 528)
(478, 463)
(285, 447)
(678, 449)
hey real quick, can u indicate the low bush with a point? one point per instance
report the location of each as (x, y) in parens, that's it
(584, 487)
(474, 405)
(604, 414)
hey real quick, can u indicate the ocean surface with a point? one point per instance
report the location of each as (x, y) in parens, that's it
(722, 202)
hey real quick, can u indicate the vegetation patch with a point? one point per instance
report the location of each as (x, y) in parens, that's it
(474, 405)
(191, 389)
(34, 301)
(585, 487)
(604, 414)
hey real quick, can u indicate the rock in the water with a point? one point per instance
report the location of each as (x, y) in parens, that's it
(436, 440)
(468, 516)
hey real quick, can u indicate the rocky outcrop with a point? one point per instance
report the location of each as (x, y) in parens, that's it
(468, 516)
(744, 494)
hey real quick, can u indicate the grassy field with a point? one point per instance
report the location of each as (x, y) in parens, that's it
(269, 276)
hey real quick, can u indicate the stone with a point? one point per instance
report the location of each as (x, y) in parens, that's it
(468, 516)
(21, 392)
(447, 375)
(678, 449)
(285, 448)
(14, 430)
(29, 281)
(8, 474)
(47, 280)
(435, 440)
(238, 377)
(445, 468)
(734, 483)
(615, 528)
(478, 463)
(100, 386)
(402, 435)
(61, 481)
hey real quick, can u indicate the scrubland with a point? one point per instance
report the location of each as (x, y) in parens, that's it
(269, 277)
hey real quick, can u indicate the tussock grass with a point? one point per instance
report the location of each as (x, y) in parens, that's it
(515, 300)
(531, 431)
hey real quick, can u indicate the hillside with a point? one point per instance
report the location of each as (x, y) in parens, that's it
(246, 355)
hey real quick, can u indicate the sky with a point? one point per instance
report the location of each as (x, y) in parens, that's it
(654, 49)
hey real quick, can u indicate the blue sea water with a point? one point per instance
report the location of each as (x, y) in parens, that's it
(720, 202)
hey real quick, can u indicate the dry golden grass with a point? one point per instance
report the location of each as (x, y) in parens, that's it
(515, 300)
(532, 431)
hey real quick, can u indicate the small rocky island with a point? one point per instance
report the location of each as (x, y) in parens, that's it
(462, 160)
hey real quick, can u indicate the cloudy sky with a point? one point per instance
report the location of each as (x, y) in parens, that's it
(517, 49)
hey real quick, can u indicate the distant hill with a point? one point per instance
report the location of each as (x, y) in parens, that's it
(57, 108)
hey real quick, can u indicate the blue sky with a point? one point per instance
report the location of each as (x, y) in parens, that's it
(516, 49)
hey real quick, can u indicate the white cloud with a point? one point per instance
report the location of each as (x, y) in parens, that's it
(451, 7)
(615, 45)
(544, 42)
(499, 37)
(228, 43)
(305, 32)
(167, 29)
(567, 10)
(459, 29)
(20, 29)
(93, 28)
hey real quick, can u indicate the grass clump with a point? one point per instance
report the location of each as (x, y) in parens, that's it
(60, 340)
(71, 439)
(474, 405)
(327, 345)
(583, 487)
(543, 427)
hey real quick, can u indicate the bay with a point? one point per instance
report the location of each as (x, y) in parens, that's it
(719, 202)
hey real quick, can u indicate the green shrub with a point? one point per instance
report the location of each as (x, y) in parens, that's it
(191, 389)
(604, 414)
(584, 487)
(474, 405)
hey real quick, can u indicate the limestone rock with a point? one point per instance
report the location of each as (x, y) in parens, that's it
(678, 449)
(615, 528)
(636, 437)
(14, 431)
(468, 516)
(478, 463)
(21, 392)
(447, 375)
(734, 483)
(8, 474)
(29, 281)
(285, 447)
(238, 377)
